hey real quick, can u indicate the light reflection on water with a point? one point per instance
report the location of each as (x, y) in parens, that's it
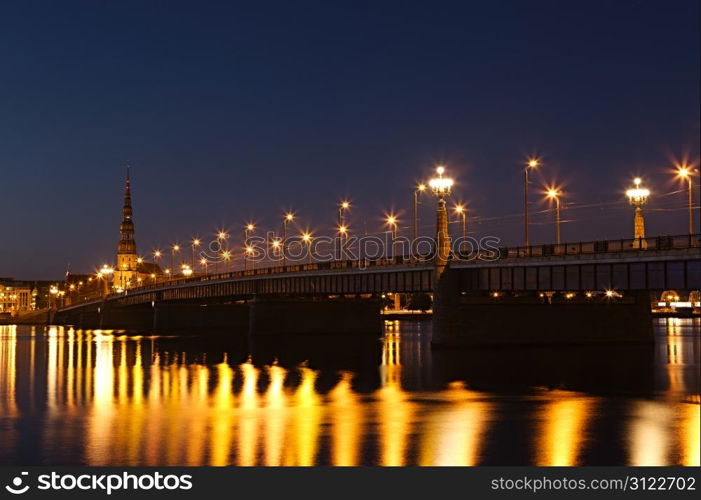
(106, 398)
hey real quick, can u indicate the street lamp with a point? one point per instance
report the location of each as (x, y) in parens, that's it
(195, 243)
(250, 252)
(175, 248)
(441, 187)
(186, 270)
(532, 164)
(157, 256)
(685, 172)
(342, 233)
(250, 227)
(221, 237)
(391, 221)
(342, 207)
(462, 212)
(203, 265)
(307, 238)
(226, 255)
(277, 245)
(103, 273)
(289, 217)
(554, 194)
(247, 230)
(638, 197)
(419, 189)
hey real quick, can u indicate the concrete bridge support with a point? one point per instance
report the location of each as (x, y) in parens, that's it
(321, 316)
(465, 320)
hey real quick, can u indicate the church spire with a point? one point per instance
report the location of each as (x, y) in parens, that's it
(126, 229)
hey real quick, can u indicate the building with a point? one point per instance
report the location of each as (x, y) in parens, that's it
(15, 299)
(130, 270)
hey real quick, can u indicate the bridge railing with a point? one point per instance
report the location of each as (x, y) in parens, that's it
(657, 243)
(605, 246)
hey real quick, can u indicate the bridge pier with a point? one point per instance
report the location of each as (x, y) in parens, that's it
(526, 318)
(315, 316)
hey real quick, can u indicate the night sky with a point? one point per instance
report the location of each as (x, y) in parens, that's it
(229, 111)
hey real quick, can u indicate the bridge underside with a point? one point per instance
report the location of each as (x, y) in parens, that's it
(258, 315)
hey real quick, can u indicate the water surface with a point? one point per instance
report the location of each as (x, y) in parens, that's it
(114, 398)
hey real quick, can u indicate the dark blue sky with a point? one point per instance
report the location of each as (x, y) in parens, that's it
(232, 110)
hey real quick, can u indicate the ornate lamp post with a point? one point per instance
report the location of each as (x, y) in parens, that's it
(638, 197)
(554, 194)
(441, 187)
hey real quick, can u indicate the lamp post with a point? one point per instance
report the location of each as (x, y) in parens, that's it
(226, 256)
(103, 273)
(462, 212)
(222, 236)
(248, 229)
(175, 248)
(276, 244)
(638, 197)
(342, 233)
(554, 194)
(441, 187)
(532, 163)
(342, 207)
(203, 265)
(157, 256)
(307, 238)
(419, 189)
(289, 217)
(195, 243)
(391, 221)
(250, 252)
(685, 173)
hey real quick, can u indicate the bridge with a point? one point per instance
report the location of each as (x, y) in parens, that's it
(600, 289)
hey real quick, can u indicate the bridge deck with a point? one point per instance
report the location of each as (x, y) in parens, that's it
(652, 264)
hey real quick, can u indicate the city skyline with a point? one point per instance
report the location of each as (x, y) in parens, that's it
(253, 124)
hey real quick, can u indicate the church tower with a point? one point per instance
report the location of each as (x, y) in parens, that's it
(125, 273)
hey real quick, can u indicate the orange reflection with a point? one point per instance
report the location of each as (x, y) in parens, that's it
(8, 370)
(648, 434)
(307, 415)
(395, 411)
(689, 429)
(249, 416)
(562, 435)
(276, 416)
(222, 416)
(347, 422)
(454, 436)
